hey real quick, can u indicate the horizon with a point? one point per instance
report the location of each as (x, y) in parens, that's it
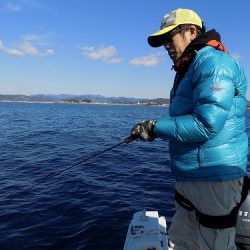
(87, 47)
(98, 95)
(83, 95)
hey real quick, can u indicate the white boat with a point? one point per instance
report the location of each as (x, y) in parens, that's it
(147, 231)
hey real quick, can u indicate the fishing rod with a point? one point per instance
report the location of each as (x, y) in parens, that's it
(127, 140)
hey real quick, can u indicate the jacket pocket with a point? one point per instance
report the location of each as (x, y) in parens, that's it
(184, 155)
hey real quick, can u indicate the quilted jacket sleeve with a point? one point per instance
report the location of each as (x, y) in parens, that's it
(213, 93)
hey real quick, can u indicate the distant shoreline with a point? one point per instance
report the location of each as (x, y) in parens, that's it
(91, 103)
(82, 103)
(83, 99)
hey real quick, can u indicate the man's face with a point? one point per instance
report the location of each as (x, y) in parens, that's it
(179, 42)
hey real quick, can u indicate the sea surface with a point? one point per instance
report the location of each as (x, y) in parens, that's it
(78, 206)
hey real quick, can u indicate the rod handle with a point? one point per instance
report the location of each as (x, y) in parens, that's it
(130, 138)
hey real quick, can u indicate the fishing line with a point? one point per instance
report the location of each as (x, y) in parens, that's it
(50, 176)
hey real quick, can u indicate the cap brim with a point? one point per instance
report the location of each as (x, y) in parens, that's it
(157, 39)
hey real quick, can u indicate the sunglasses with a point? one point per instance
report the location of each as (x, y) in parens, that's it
(168, 37)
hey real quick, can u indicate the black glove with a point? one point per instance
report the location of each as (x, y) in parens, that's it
(144, 130)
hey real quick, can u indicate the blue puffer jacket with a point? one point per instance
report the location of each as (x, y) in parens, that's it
(206, 129)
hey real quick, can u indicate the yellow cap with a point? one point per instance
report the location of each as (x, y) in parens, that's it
(172, 20)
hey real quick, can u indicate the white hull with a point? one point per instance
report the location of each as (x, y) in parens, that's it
(147, 231)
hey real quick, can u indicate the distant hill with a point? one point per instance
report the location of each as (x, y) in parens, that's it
(83, 98)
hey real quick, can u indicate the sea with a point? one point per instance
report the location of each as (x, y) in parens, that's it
(67, 181)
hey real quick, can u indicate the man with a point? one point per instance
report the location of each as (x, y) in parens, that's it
(206, 130)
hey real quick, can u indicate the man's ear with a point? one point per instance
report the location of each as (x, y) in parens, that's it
(193, 32)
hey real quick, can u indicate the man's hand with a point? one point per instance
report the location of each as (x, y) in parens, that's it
(144, 130)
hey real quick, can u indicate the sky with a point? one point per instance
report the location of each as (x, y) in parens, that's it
(100, 46)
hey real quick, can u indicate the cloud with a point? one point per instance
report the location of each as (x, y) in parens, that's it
(14, 52)
(147, 61)
(31, 38)
(28, 47)
(10, 51)
(99, 53)
(106, 54)
(49, 52)
(23, 4)
(113, 60)
(38, 40)
(37, 4)
(1, 45)
(13, 7)
(236, 56)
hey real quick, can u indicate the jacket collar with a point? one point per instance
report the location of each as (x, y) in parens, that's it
(210, 38)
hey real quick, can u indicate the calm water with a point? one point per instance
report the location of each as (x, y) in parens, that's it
(89, 206)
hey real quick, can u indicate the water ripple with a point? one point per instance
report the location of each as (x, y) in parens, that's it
(90, 205)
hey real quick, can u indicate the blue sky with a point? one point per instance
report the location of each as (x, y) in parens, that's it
(100, 46)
